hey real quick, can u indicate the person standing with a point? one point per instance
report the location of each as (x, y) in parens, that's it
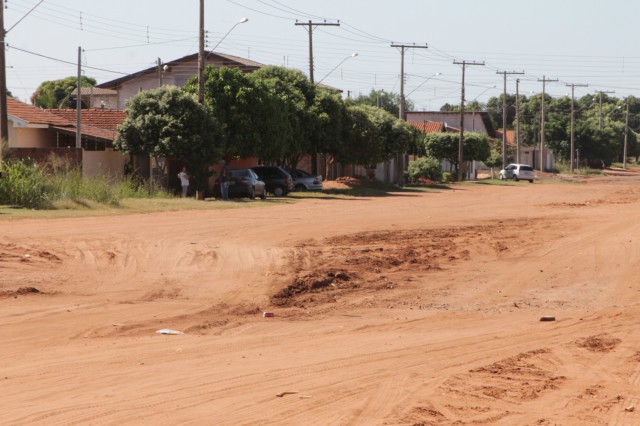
(224, 180)
(184, 181)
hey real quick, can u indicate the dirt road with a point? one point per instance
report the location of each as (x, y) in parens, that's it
(410, 309)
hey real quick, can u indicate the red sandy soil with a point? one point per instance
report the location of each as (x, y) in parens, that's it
(409, 309)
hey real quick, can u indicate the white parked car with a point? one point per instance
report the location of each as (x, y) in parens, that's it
(517, 172)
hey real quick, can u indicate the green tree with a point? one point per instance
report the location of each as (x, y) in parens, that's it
(169, 122)
(444, 146)
(57, 93)
(425, 167)
(387, 101)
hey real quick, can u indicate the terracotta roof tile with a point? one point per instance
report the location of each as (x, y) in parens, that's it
(101, 118)
(95, 91)
(429, 126)
(511, 136)
(34, 115)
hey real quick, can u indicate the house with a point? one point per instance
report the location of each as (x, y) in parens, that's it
(528, 154)
(37, 133)
(176, 73)
(97, 97)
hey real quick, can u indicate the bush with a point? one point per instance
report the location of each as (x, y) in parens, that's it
(449, 177)
(425, 167)
(32, 185)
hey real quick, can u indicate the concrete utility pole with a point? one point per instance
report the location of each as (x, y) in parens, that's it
(402, 115)
(600, 92)
(310, 27)
(79, 101)
(573, 87)
(626, 137)
(542, 160)
(461, 142)
(504, 113)
(201, 55)
(518, 120)
(4, 129)
(402, 110)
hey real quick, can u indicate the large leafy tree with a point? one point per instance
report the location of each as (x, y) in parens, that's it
(444, 146)
(290, 95)
(388, 101)
(57, 93)
(169, 122)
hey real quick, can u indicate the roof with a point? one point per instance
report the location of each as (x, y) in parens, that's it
(33, 115)
(102, 118)
(429, 126)
(452, 118)
(93, 91)
(213, 58)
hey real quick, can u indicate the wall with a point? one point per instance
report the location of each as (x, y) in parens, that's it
(107, 162)
(25, 137)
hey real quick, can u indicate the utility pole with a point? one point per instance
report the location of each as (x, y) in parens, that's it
(626, 137)
(402, 115)
(461, 142)
(79, 101)
(517, 121)
(600, 92)
(310, 27)
(4, 129)
(402, 112)
(544, 81)
(201, 55)
(504, 113)
(573, 87)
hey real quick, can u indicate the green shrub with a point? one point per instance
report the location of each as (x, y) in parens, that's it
(425, 167)
(449, 177)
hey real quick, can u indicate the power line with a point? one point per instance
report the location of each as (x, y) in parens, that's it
(63, 61)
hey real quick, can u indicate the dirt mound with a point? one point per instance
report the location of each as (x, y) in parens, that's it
(599, 343)
(22, 291)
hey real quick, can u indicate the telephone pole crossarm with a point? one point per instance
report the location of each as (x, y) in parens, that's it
(310, 27)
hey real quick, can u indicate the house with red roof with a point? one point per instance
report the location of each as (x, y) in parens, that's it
(37, 133)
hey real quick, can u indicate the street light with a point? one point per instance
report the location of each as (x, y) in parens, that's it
(421, 84)
(353, 55)
(241, 21)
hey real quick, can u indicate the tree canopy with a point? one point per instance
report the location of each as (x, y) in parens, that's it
(388, 101)
(169, 122)
(57, 93)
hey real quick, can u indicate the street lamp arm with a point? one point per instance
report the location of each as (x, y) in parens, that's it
(241, 21)
(353, 55)
(421, 84)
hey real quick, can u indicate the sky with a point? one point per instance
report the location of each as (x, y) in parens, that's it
(576, 42)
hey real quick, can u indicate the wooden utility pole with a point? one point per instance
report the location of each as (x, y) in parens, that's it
(310, 27)
(517, 121)
(402, 107)
(626, 137)
(573, 87)
(542, 160)
(600, 92)
(201, 55)
(504, 113)
(79, 101)
(4, 128)
(461, 141)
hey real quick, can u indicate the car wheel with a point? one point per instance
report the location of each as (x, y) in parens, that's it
(516, 178)
(531, 181)
(252, 194)
(263, 196)
(300, 187)
(278, 191)
(501, 177)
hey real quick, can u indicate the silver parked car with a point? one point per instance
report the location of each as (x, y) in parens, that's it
(303, 181)
(517, 172)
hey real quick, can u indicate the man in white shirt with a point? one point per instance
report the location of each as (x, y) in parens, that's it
(184, 181)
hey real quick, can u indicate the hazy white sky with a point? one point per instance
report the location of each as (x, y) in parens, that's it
(586, 41)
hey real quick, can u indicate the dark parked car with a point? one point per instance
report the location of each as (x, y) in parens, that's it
(276, 179)
(303, 181)
(243, 183)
